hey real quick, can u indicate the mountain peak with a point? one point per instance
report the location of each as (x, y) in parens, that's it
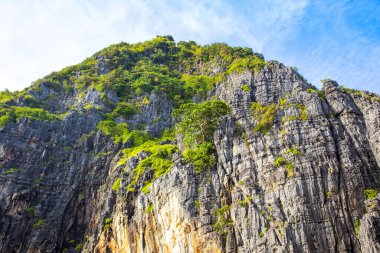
(174, 147)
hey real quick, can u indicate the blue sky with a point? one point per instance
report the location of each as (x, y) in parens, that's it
(323, 39)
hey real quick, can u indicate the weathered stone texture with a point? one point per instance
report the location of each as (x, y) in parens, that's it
(317, 207)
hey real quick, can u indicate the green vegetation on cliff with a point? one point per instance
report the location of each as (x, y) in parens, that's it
(112, 167)
(265, 116)
(282, 162)
(370, 193)
(223, 223)
(177, 70)
(182, 72)
(196, 124)
(202, 156)
(11, 114)
(155, 159)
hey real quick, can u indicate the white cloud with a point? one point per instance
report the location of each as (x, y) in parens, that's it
(340, 48)
(46, 36)
(38, 37)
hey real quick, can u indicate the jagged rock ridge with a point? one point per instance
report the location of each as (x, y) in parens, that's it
(297, 169)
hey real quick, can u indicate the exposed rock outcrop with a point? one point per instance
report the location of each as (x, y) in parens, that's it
(306, 185)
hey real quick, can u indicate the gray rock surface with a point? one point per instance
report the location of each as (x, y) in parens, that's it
(61, 196)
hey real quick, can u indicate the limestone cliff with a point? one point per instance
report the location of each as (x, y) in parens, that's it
(296, 170)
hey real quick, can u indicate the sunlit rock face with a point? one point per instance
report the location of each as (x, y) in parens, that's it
(297, 169)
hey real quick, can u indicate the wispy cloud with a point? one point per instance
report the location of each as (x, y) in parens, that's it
(41, 36)
(339, 41)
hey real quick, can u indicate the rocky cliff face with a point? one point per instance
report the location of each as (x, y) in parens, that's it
(308, 183)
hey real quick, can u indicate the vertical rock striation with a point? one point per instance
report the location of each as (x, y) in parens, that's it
(307, 184)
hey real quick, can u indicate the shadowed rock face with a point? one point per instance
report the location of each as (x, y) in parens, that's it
(60, 196)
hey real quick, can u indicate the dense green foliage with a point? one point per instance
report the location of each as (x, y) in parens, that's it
(6, 96)
(10, 114)
(202, 156)
(250, 62)
(177, 70)
(157, 160)
(33, 113)
(265, 116)
(199, 85)
(30, 101)
(370, 193)
(197, 123)
(124, 110)
(7, 116)
(180, 71)
(117, 131)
